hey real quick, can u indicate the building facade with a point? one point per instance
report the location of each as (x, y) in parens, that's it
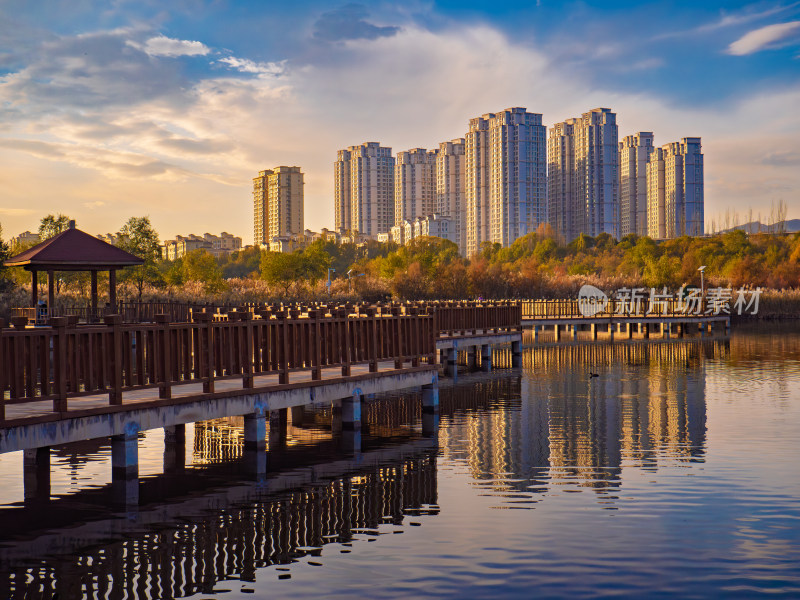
(505, 166)
(451, 187)
(634, 154)
(675, 190)
(583, 177)
(214, 244)
(277, 204)
(364, 189)
(414, 184)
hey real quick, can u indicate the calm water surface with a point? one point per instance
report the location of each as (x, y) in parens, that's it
(672, 474)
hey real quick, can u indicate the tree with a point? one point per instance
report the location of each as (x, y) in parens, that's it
(52, 225)
(200, 265)
(6, 283)
(282, 269)
(139, 238)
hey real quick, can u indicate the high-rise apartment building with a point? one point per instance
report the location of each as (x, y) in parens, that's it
(675, 190)
(583, 182)
(505, 167)
(634, 154)
(277, 204)
(450, 188)
(364, 189)
(414, 184)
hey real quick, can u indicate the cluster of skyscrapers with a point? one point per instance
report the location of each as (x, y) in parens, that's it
(501, 181)
(506, 177)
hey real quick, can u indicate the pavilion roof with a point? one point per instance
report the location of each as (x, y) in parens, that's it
(73, 250)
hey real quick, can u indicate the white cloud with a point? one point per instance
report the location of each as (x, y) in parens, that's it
(170, 47)
(763, 37)
(187, 157)
(256, 68)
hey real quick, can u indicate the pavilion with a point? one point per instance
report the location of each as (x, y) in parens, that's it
(73, 250)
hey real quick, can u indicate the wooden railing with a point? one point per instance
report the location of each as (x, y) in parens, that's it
(66, 361)
(570, 309)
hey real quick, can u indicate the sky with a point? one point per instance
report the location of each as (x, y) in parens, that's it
(168, 109)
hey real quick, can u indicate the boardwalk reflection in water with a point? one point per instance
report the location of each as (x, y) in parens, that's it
(521, 436)
(192, 543)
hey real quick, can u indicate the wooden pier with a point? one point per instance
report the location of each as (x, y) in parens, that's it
(619, 320)
(70, 382)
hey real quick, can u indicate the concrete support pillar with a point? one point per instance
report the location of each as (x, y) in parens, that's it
(594, 331)
(351, 423)
(451, 362)
(278, 422)
(36, 474)
(255, 444)
(255, 431)
(645, 330)
(298, 412)
(680, 329)
(629, 330)
(336, 416)
(174, 448)
(472, 357)
(516, 354)
(557, 331)
(486, 357)
(125, 467)
(430, 409)
(666, 330)
(351, 412)
(611, 327)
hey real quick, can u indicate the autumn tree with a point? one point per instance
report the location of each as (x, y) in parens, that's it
(139, 238)
(51, 225)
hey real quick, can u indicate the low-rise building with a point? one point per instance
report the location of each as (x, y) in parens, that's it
(24, 239)
(216, 245)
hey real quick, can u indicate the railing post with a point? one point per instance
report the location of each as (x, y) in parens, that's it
(247, 359)
(316, 351)
(205, 349)
(345, 314)
(283, 344)
(373, 343)
(115, 389)
(165, 349)
(59, 325)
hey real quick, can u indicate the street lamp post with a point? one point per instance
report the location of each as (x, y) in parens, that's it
(350, 280)
(702, 286)
(328, 284)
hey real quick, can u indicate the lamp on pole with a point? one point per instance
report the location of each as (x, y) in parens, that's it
(328, 284)
(350, 279)
(702, 286)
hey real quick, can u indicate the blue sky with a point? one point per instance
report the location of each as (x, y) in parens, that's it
(169, 109)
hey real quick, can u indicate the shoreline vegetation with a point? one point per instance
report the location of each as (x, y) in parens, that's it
(538, 265)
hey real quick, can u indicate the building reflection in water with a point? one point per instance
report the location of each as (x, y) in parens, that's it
(520, 435)
(561, 426)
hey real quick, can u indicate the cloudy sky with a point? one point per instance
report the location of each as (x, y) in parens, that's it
(168, 109)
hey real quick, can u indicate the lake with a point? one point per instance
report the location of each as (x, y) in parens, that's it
(672, 473)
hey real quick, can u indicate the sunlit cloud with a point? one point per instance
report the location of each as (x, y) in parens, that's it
(763, 38)
(169, 47)
(256, 68)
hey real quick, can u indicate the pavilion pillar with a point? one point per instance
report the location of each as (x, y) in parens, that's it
(112, 290)
(34, 287)
(94, 297)
(51, 292)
